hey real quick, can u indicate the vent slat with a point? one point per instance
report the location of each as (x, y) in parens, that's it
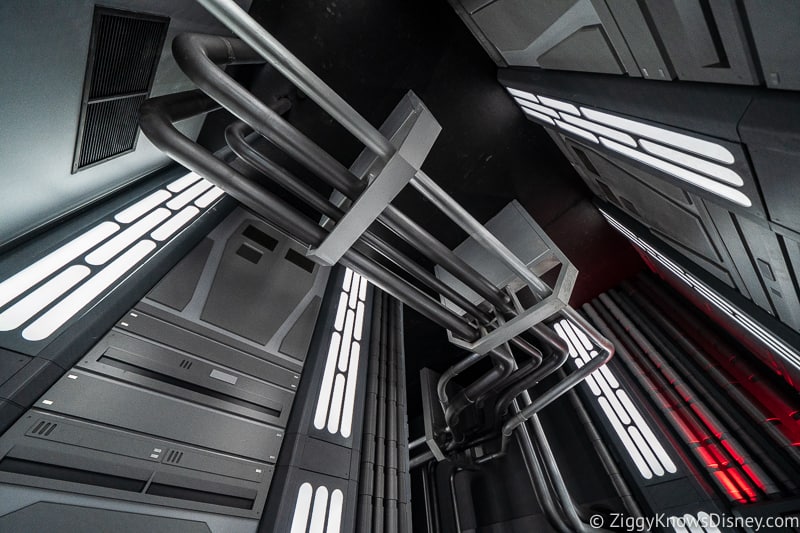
(126, 48)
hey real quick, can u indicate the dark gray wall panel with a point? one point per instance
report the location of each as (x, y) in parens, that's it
(706, 41)
(770, 264)
(296, 342)
(779, 176)
(563, 34)
(48, 516)
(211, 349)
(774, 28)
(15, 497)
(189, 377)
(177, 287)
(118, 404)
(644, 45)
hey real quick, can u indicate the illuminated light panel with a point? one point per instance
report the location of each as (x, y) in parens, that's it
(302, 508)
(577, 131)
(318, 512)
(208, 198)
(645, 450)
(60, 313)
(737, 315)
(335, 512)
(336, 400)
(558, 104)
(522, 94)
(714, 170)
(181, 183)
(49, 264)
(189, 194)
(538, 115)
(103, 242)
(707, 184)
(538, 108)
(133, 233)
(690, 144)
(350, 393)
(321, 414)
(34, 302)
(168, 228)
(614, 134)
(141, 207)
(609, 133)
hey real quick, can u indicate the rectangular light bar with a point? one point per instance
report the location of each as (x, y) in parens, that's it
(786, 352)
(336, 399)
(616, 133)
(633, 431)
(325, 513)
(53, 279)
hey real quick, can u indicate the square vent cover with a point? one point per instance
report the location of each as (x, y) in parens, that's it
(124, 51)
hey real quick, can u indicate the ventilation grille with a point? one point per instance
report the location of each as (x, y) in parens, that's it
(43, 428)
(123, 54)
(174, 457)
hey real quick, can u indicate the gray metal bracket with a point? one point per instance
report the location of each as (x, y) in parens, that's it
(528, 240)
(412, 130)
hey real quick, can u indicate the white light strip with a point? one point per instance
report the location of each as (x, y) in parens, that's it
(539, 116)
(338, 322)
(336, 401)
(25, 309)
(321, 414)
(538, 108)
(59, 314)
(691, 144)
(626, 419)
(335, 411)
(681, 173)
(133, 233)
(362, 289)
(354, 291)
(577, 131)
(46, 266)
(302, 507)
(189, 194)
(648, 455)
(558, 104)
(714, 170)
(637, 458)
(335, 512)
(141, 207)
(318, 512)
(358, 327)
(522, 94)
(775, 344)
(208, 198)
(175, 223)
(647, 433)
(350, 392)
(347, 340)
(624, 138)
(181, 183)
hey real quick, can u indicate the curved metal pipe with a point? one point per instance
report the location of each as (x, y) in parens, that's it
(235, 137)
(200, 57)
(556, 348)
(239, 22)
(156, 120)
(606, 353)
(453, 371)
(504, 365)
